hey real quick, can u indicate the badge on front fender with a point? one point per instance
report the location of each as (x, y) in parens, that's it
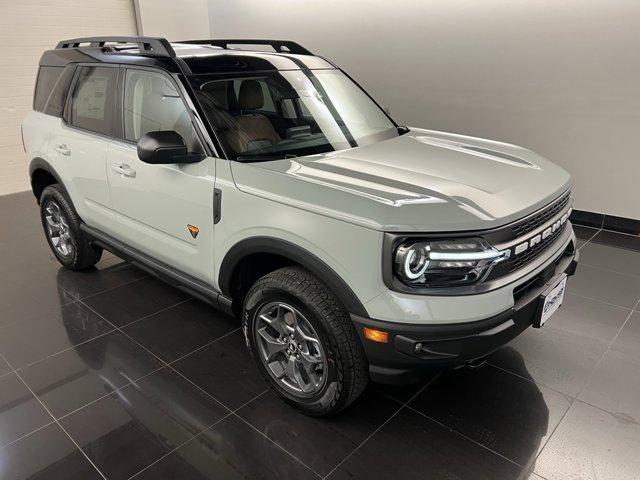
(193, 230)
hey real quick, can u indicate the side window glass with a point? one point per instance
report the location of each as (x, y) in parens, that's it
(152, 103)
(288, 110)
(304, 109)
(47, 78)
(93, 99)
(55, 103)
(268, 105)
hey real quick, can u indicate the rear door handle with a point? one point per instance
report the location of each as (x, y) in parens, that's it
(124, 170)
(63, 150)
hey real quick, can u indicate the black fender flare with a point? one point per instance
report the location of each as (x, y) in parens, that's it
(297, 254)
(38, 163)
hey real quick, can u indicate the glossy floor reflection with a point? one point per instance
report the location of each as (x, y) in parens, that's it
(111, 374)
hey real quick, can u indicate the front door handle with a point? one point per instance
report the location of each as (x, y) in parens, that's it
(124, 170)
(63, 150)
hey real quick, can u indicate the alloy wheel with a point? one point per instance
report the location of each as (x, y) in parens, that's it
(290, 349)
(58, 229)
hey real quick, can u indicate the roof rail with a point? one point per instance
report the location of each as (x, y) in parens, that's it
(155, 46)
(280, 46)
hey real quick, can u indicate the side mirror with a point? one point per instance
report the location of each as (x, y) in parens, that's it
(164, 147)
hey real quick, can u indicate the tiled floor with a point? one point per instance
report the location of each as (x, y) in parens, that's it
(112, 374)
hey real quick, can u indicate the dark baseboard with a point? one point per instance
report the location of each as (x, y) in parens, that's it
(606, 222)
(588, 219)
(621, 224)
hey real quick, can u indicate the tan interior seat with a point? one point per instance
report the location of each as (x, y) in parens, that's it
(253, 130)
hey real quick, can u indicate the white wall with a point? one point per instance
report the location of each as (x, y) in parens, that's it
(173, 19)
(559, 77)
(27, 28)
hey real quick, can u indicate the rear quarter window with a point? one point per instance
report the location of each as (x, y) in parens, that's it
(55, 102)
(47, 78)
(52, 88)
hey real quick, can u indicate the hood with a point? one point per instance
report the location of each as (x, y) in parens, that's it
(420, 181)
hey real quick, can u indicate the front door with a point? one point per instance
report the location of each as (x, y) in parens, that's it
(165, 211)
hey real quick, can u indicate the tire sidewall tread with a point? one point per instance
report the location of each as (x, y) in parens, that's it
(347, 374)
(85, 254)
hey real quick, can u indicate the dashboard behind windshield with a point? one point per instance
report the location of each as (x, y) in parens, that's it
(279, 114)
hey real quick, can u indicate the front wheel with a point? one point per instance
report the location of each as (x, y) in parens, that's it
(304, 342)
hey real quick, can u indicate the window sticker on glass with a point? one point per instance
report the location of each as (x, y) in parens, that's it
(92, 98)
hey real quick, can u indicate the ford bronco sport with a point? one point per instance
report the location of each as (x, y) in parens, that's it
(262, 179)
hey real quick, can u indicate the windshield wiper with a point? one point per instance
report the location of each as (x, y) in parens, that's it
(263, 158)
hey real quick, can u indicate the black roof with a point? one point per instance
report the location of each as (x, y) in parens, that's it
(188, 57)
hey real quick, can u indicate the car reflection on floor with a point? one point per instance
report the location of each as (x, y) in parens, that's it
(163, 410)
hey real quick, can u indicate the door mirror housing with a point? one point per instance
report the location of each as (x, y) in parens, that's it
(165, 147)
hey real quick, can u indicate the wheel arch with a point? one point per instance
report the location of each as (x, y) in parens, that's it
(42, 174)
(283, 253)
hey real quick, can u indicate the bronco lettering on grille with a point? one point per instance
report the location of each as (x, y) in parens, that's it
(533, 241)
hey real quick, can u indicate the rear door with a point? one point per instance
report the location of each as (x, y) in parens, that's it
(165, 211)
(81, 142)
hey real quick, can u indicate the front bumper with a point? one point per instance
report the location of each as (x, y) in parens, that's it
(413, 350)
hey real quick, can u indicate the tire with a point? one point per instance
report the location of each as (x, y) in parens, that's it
(308, 303)
(61, 226)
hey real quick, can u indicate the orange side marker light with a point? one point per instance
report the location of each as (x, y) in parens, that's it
(376, 335)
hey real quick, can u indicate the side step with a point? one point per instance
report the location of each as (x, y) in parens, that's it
(178, 279)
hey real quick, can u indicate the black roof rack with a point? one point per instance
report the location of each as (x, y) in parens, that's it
(280, 46)
(158, 47)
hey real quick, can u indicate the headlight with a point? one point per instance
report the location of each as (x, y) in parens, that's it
(440, 263)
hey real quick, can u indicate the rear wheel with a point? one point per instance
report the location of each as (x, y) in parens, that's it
(62, 229)
(304, 342)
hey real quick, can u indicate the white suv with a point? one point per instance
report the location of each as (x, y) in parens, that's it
(271, 185)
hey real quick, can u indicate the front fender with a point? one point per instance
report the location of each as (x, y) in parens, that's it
(299, 255)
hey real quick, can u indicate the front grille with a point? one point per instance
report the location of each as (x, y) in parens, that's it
(529, 224)
(520, 231)
(532, 253)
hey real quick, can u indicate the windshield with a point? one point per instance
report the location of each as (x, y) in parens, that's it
(278, 114)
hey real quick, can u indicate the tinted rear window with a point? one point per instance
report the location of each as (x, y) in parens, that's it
(55, 103)
(52, 88)
(47, 78)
